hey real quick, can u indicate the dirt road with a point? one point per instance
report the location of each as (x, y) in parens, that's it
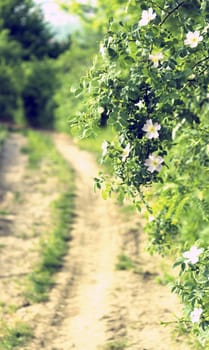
(94, 306)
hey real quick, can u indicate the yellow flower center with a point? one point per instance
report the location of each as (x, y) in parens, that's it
(151, 128)
(155, 162)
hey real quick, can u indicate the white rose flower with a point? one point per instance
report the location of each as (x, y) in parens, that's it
(104, 148)
(193, 38)
(151, 129)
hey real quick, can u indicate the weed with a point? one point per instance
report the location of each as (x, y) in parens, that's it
(14, 337)
(124, 263)
(120, 344)
(4, 212)
(39, 282)
(2, 304)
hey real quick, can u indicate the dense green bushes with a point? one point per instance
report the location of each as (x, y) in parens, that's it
(153, 86)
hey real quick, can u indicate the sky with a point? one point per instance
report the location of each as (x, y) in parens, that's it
(56, 17)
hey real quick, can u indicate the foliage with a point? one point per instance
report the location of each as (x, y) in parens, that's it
(192, 286)
(71, 66)
(75, 63)
(153, 88)
(10, 75)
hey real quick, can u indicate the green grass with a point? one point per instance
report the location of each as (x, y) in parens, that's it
(52, 250)
(54, 244)
(14, 337)
(4, 212)
(120, 344)
(124, 263)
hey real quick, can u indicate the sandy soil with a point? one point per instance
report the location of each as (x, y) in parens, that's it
(94, 305)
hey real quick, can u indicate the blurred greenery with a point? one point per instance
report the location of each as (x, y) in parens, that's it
(26, 25)
(71, 66)
(28, 74)
(85, 51)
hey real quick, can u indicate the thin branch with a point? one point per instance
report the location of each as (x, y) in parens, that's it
(171, 12)
(201, 61)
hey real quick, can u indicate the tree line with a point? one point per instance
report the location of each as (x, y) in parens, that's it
(28, 51)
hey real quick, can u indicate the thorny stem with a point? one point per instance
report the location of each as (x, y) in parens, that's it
(201, 72)
(201, 61)
(174, 322)
(171, 12)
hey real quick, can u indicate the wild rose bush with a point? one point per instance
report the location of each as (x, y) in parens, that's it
(153, 88)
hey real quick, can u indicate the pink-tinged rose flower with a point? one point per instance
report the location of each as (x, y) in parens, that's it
(147, 16)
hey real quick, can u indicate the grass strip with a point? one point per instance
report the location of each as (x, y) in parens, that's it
(54, 245)
(52, 250)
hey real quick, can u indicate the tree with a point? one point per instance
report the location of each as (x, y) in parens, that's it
(10, 76)
(26, 41)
